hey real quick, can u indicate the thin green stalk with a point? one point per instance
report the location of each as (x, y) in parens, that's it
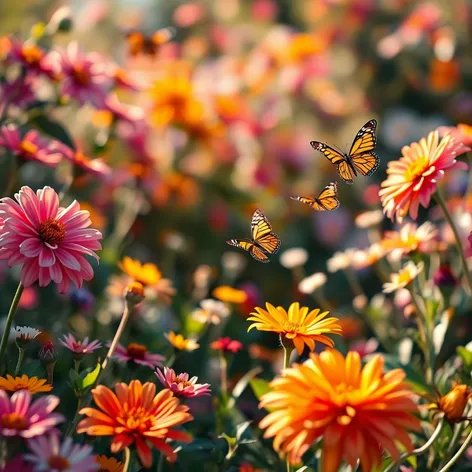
(287, 353)
(420, 450)
(224, 374)
(21, 354)
(8, 324)
(460, 247)
(126, 459)
(160, 464)
(77, 365)
(459, 453)
(353, 282)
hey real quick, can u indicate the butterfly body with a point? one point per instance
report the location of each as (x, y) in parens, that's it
(263, 241)
(326, 201)
(360, 160)
(149, 45)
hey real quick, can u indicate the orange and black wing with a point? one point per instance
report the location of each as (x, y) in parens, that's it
(361, 155)
(345, 171)
(327, 200)
(262, 234)
(250, 247)
(136, 42)
(163, 36)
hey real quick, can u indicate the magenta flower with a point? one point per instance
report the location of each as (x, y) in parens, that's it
(48, 453)
(226, 345)
(17, 464)
(137, 353)
(94, 166)
(181, 385)
(30, 56)
(19, 416)
(47, 240)
(84, 77)
(31, 146)
(364, 347)
(18, 92)
(77, 347)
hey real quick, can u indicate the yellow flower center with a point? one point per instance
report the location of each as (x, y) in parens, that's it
(52, 231)
(416, 168)
(14, 421)
(183, 382)
(58, 463)
(80, 75)
(28, 148)
(31, 54)
(81, 158)
(291, 327)
(136, 351)
(404, 277)
(137, 419)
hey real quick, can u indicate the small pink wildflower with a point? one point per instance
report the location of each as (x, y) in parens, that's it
(139, 354)
(30, 56)
(181, 385)
(226, 345)
(19, 416)
(32, 146)
(48, 453)
(47, 240)
(364, 347)
(80, 347)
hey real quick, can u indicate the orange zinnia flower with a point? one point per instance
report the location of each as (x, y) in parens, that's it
(136, 415)
(229, 294)
(359, 412)
(31, 384)
(109, 464)
(146, 274)
(298, 324)
(414, 177)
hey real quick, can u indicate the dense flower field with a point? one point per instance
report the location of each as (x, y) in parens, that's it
(147, 151)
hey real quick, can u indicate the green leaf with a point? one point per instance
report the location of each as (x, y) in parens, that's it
(52, 128)
(259, 387)
(242, 384)
(465, 355)
(33, 368)
(91, 377)
(302, 469)
(241, 428)
(229, 439)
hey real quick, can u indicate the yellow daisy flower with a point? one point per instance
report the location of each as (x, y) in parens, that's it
(31, 384)
(180, 343)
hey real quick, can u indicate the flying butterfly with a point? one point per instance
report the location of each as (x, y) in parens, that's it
(263, 240)
(326, 201)
(139, 43)
(361, 158)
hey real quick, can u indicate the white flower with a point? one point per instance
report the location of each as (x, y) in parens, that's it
(294, 257)
(403, 278)
(310, 284)
(233, 262)
(25, 333)
(341, 260)
(369, 218)
(211, 311)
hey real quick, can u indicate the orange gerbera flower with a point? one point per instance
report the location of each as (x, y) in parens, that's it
(180, 343)
(31, 384)
(229, 294)
(414, 177)
(136, 415)
(298, 324)
(146, 274)
(109, 464)
(359, 412)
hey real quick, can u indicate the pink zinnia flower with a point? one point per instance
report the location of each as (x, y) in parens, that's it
(48, 453)
(19, 416)
(31, 146)
(412, 180)
(80, 347)
(17, 464)
(30, 56)
(139, 354)
(49, 241)
(364, 347)
(461, 133)
(18, 92)
(94, 166)
(84, 76)
(181, 385)
(226, 345)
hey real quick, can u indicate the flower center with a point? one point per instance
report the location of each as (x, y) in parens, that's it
(14, 421)
(58, 463)
(32, 54)
(137, 351)
(416, 169)
(77, 345)
(80, 75)
(404, 277)
(52, 231)
(291, 327)
(28, 148)
(81, 158)
(137, 419)
(346, 415)
(183, 382)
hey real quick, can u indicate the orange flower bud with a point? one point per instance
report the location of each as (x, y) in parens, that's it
(453, 403)
(134, 293)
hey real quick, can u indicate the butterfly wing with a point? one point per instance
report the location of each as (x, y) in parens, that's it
(163, 36)
(361, 155)
(345, 170)
(262, 234)
(329, 197)
(250, 247)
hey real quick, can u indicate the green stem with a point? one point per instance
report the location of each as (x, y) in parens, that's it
(353, 282)
(420, 450)
(11, 315)
(21, 354)
(126, 459)
(77, 365)
(160, 464)
(459, 453)
(460, 247)
(287, 353)
(224, 374)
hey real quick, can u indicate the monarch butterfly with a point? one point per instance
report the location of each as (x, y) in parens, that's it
(360, 158)
(326, 201)
(139, 43)
(263, 241)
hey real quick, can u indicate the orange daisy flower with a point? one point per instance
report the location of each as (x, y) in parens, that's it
(412, 180)
(31, 384)
(180, 343)
(359, 412)
(109, 464)
(146, 274)
(136, 415)
(298, 324)
(229, 294)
